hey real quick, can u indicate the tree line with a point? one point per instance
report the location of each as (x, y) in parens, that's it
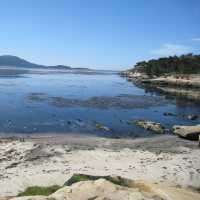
(185, 64)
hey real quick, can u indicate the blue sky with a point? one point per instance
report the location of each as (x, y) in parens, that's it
(109, 34)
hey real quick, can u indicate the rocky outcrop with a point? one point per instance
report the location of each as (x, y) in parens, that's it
(178, 80)
(135, 76)
(187, 132)
(102, 189)
(149, 125)
(186, 86)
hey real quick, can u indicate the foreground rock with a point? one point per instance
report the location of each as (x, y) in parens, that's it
(102, 189)
(187, 132)
(149, 125)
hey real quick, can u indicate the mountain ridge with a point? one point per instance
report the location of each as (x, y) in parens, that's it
(15, 61)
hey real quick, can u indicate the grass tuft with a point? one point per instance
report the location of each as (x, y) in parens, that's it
(37, 190)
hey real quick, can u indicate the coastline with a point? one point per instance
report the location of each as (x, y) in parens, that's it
(185, 86)
(48, 159)
(52, 159)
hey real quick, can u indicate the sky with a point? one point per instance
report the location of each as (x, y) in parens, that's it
(101, 34)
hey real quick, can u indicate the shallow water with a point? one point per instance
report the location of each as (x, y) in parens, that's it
(78, 103)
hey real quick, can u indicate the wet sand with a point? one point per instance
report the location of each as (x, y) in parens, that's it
(51, 159)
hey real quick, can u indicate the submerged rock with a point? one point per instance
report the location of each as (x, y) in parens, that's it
(102, 189)
(169, 114)
(187, 132)
(149, 125)
(101, 127)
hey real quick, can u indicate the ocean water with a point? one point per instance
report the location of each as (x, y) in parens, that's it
(98, 104)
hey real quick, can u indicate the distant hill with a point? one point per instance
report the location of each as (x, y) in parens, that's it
(14, 61)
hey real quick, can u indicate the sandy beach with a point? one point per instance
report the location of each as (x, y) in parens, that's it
(52, 159)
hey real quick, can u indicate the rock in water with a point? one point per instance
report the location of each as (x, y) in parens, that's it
(149, 125)
(101, 127)
(192, 117)
(187, 132)
(169, 114)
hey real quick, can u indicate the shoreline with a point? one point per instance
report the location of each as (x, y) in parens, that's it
(51, 159)
(185, 86)
(170, 142)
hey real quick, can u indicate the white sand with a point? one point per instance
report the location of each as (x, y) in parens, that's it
(58, 163)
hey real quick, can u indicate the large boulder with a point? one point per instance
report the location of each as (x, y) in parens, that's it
(149, 125)
(103, 189)
(187, 132)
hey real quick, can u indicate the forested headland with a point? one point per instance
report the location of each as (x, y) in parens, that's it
(185, 64)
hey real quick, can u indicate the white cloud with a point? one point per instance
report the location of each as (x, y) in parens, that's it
(196, 39)
(171, 50)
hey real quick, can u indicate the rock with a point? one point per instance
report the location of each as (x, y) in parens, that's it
(101, 127)
(102, 189)
(4, 198)
(149, 125)
(192, 117)
(99, 189)
(187, 132)
(169, 114)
